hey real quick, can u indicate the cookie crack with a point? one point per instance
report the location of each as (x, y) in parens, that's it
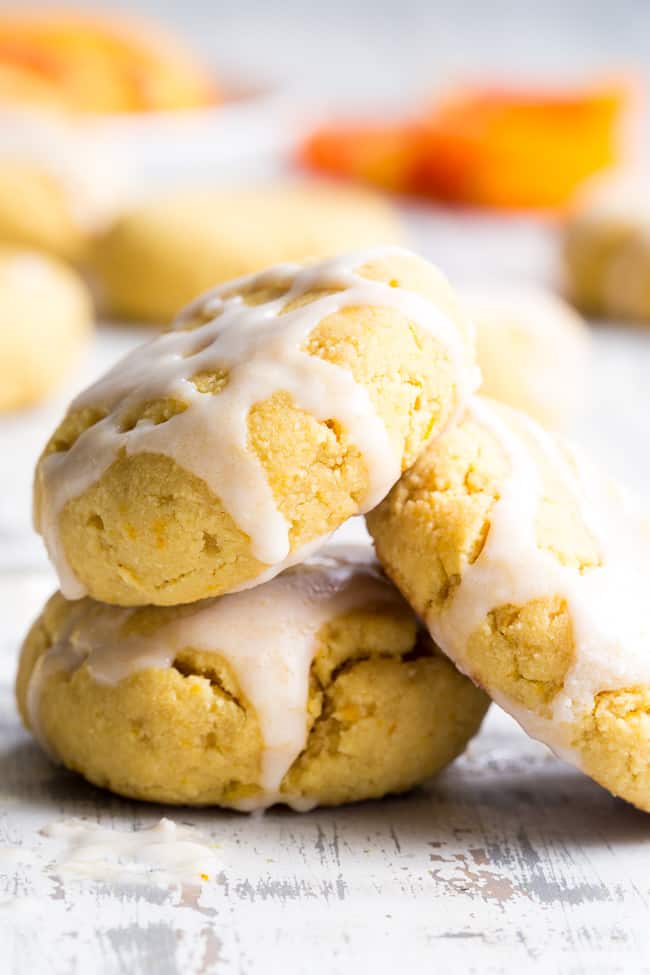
(211, 676)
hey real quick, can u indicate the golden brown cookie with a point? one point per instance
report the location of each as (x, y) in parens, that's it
(530, 568)
(281, 405)
(317, 687)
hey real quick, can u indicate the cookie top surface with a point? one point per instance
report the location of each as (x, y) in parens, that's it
(189, 393)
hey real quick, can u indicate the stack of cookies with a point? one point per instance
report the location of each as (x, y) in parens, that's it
(208, 644)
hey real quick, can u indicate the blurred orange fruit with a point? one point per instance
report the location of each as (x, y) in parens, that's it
(384, 155)
(95, 63)
(519, 148)
(484, 146)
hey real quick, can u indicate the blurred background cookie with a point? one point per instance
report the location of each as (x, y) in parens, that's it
(318, 687)
(45, 323)
(533, 351)
(607, 249)
(56, 188)
(158, 256)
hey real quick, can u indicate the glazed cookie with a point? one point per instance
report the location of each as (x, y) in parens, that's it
(282, 404)
(317, 687)
(607, 250)
(158, 257)
(45, 321)
(531, 569)
(533, 351)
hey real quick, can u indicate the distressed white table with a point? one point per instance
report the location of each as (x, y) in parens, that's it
(509, 862)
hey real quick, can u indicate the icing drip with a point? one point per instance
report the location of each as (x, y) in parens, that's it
(261, 349)
(267, 635)
(611, 631)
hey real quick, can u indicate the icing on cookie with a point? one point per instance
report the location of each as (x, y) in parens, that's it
(267, 635)
(261, 348)
(611, 631)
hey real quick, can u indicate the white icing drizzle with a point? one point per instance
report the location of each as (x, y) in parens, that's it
(165, 852)
(262, 349)
(611, 629)
(267, 635)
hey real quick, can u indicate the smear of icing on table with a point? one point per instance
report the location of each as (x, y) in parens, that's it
(267, 635)
(605, 602)
(164, 852)
(262, 349)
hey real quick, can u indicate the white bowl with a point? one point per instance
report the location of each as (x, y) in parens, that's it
(249, 130)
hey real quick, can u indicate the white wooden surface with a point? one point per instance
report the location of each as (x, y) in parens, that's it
(509, 862)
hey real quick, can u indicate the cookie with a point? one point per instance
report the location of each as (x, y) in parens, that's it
(35, 211)
(317, 687)
(530, 568)
(159, 256)
(533, 351)
(606, 250)
(55, 189)
(221, 452)
(45, 322)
